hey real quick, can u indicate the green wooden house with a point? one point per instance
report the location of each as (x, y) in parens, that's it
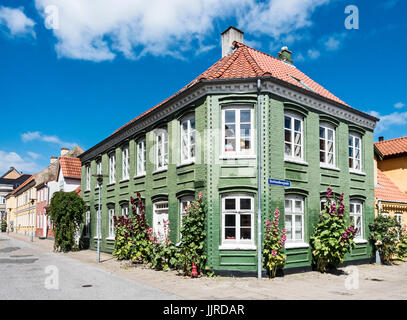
(249, 116)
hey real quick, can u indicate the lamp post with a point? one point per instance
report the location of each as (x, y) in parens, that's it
(32, 221)
(99, 178)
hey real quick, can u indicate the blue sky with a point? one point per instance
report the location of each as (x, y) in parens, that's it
(108, 62)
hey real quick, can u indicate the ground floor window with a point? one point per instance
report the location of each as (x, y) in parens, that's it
(237, 220)
(111, 222)
(399, 218)
(356, 217)
(160, 217)
(184, 203)
(294, 218)
(87, 224)
(125, 210)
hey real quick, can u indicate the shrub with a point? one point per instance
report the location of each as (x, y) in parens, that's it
(3, 225)
(331, 239)
(66, 214)
(402, 247)
(273, 251)
(124, 237)
(384, 233)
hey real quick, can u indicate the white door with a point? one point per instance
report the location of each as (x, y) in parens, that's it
(160, 217)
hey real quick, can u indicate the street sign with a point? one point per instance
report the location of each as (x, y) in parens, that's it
(277, 182)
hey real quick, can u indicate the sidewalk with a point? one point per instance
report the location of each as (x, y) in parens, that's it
(371, 281)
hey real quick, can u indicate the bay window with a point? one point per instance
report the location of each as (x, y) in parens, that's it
(327, 145)
(355, 153)
(356, 217)
(161, 136)
(294, 219)
(188, 139)
(293, 137)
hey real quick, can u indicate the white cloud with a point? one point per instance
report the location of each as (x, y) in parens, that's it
(390, 120)
(313, 54)
(36, 135)
(99, 30)
(399, 105)
(12, 159)
(34, 155)
(16, 22)
(333, 42)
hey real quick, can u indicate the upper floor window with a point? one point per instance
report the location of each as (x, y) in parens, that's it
(99, 167)
(112, 168)
(88, 177)
(237, 129)
(125, 163)
(188, 139)
(141, 157)
(293, 137)
(356, 217)
(327, 144)
(294, 219)
(161, 148)
(237, 220)
(355, 154)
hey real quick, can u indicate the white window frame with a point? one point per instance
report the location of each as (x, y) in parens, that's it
(99, 167)
(327, 127)
(293, 117)
(293, 213)
(141, 157)
(385, 214)
(190, 133)
(111, 223)
(87, 224)
(238, 151)
(164, 210)
(87, 177)
(125, 163)
(353, 214)
(184, 201)
(124, 209)
(399, 217)
(161, 146)
(238, 243)
(112, 168)
(354, 136)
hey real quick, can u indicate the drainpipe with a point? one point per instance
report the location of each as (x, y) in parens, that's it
(259, 252)
(44, 232)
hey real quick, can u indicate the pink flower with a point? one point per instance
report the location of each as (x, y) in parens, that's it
(200, 195)
(274, 252)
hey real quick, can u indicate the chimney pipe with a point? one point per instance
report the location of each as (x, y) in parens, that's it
(64, 151)
(228, 36)
(285, 55)
(381, 139)
(53, 159)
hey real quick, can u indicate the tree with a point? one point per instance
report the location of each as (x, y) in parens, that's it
(66, 213)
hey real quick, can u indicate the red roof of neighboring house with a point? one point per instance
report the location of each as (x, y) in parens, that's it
(392, 147)
(246, 62)
(71, 167)
(78, 190)
(24, 184)
(387, 190)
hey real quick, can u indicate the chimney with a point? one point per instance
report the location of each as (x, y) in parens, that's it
(285, 55)
(64, 151)
(228, 36)
(53, 159)
(381, 139)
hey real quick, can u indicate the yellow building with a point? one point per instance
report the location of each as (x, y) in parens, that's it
(391, 178)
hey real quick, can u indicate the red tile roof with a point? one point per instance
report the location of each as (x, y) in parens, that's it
(71, 167)
(392, 147)
(246, 62)
(387, 190)
(24, 184)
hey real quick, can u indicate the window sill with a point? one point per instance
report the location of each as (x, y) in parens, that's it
(124, 180)
(111, 238)
(96, 238)
(160, 170)
(237, 247)
(141, 175)
(111, 184)
(295, 245)
(360, 241)
(360, 173)
(184, 164)
(237, 156)
(296, 161)
(327, 167)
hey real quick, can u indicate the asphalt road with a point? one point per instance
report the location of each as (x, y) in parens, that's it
(29, 272)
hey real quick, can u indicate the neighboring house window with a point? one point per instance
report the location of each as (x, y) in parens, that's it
(87, 177)
(188, 139)
(162, 148)
(293, 137)
(111, 223)
(237, 220)
(327, 144)
(355, 154)
(356, 217)
(184, 203)
(294, 219)
(160, 218)
(112, 168)
(237, 130)
(399, 218)
(2, 200)
(141, 157)
(125, 210)
(385, 214)
(87, 224)
(125, 163)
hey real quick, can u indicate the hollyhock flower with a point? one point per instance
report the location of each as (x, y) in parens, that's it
(329, 193)
(274, 252)
(200, 195)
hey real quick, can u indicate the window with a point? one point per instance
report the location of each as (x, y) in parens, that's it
(160, 219)
(111, 223)
(87, 177)
(237, 220)
(125, 210)
(2, 200)
(324, 203)
(385, 214)
(327, 145)
(99, 167)
(141, 157)
(162, 149)
(125, 163)
(112, 168)
(293, 137)
(87, 224)
(294, 219)
(399, 218)
(188, 139)
(356, 218)
(237, 130)
(355, 154)
(184, 203)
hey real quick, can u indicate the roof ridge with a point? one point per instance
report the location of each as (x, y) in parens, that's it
(391, 140)
(259, 71)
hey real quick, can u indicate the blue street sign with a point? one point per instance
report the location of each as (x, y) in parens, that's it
(280, 182)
